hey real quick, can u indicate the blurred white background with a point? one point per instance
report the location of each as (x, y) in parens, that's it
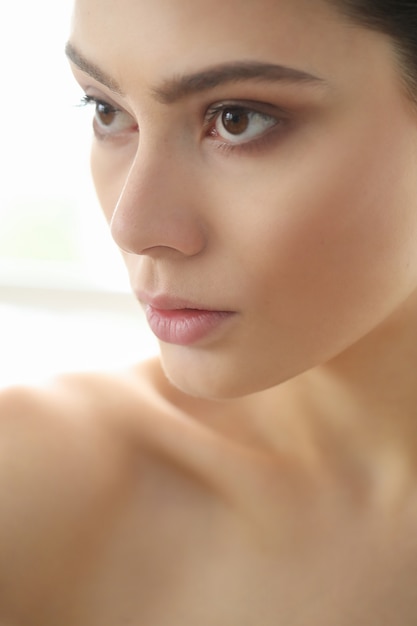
(64, 296)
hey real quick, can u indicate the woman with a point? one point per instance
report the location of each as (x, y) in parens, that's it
(257, 164)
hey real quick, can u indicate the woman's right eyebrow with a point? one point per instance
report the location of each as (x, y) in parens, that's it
(179, 87)
(91, 69)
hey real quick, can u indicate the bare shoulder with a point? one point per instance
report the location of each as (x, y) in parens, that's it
(66, 456)
(91, 466)
(63, 417)
(65, 443)
(77, 428)
(74, 406)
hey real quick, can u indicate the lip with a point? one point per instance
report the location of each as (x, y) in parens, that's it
(181, 322)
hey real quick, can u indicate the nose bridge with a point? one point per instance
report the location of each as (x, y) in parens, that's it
(156, 208)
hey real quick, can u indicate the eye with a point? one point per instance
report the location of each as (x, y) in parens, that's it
(109, 121)
(238, 124)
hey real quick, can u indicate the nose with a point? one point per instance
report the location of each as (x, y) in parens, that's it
(156, 211)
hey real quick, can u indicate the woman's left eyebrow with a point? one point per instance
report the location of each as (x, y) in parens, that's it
(179, 87)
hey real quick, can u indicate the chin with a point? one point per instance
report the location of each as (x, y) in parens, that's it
(208, 378)
(198, 376)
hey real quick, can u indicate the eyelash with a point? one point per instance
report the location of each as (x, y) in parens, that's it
(86, 100)
(212, 116)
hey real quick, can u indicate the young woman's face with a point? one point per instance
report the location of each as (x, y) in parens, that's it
(256, 160)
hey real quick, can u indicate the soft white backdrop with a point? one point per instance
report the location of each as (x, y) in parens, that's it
(64, 294)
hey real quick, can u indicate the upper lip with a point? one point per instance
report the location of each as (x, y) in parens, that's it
(164, 302)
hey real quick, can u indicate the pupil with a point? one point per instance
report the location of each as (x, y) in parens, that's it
(235, 121)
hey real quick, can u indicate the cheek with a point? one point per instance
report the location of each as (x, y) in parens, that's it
(334, 241)
(362, 229)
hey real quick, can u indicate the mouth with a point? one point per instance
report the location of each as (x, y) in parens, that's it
(180, 322)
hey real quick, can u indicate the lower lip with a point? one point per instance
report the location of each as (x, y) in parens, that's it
(184, 327)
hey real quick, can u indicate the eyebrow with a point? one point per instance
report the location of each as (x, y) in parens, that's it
(179, 87)
(91, 69)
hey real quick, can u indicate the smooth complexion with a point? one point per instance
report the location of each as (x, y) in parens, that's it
(305, 228)
(256, 162)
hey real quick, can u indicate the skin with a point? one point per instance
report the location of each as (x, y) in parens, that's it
(266, 473)
(333, 254)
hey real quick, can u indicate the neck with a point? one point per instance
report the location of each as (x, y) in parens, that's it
(360, 409)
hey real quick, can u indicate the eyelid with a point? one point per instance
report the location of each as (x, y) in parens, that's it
(252, 106)
(100, 92)
(94, 94)
(89, 99)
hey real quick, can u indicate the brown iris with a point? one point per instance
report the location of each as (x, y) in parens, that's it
(105, 113)
(235, 121)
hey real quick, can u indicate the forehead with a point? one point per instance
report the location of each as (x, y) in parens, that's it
(136, 40)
